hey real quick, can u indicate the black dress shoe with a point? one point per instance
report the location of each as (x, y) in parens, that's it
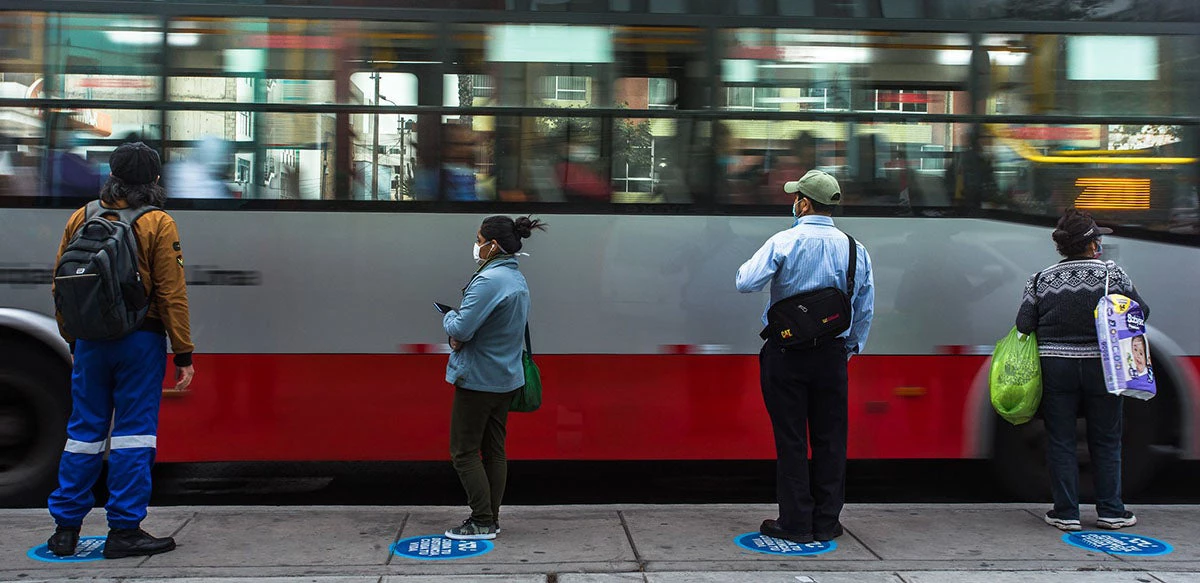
(64, 540)
(135, 542)
(770, 527)
(828, 536)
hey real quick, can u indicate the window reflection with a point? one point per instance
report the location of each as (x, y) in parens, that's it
(1102, 75)
(415, 130)
(800, 70)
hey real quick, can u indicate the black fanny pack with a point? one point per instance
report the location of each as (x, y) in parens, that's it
(812, 318)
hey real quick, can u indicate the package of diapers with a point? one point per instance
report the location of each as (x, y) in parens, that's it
(1124, 350)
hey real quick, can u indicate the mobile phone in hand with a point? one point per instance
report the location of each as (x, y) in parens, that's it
(442, 308)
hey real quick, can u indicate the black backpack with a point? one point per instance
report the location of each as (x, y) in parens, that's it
(97, 287)
(813, 318)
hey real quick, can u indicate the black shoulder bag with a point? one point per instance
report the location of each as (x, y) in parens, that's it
(812, 318)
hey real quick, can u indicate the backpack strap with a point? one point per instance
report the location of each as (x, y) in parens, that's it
(130, 216)
(126, 215)
(853, 265)
(528, 344)
(92, 210)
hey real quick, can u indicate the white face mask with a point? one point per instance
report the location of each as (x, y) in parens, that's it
(475, 253)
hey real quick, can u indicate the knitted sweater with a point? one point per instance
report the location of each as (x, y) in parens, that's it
(1061, 309)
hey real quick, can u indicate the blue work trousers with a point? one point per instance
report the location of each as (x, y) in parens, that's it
(117, 384)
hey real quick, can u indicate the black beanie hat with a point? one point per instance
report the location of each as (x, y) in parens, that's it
(135, 163)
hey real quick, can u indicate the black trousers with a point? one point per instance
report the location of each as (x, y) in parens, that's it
(805, 391)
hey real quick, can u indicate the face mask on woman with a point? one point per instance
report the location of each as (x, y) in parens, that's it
(1099, 249)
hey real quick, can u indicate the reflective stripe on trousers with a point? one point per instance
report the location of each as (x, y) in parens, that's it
(118, 442)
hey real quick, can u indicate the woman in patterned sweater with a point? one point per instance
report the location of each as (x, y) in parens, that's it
(1058, 304)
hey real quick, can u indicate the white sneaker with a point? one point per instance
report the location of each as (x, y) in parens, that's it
(1067, 524)
(1113, 523)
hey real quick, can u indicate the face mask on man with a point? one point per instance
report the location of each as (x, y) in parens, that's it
(475, 253)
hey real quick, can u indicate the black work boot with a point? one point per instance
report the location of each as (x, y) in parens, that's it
(64, 540)
(135, 542)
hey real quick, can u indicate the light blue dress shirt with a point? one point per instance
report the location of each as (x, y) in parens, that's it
(812, 255)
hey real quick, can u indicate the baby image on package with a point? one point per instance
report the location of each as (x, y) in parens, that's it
(1124, 350)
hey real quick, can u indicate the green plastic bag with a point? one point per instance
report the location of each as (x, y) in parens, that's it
(1015, 382)
(529, 397)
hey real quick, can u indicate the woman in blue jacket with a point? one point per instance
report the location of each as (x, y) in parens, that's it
(486, 338)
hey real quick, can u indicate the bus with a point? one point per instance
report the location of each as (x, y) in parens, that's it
(329, 161)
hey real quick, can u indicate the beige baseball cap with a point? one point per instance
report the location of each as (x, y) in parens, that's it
(817, 185)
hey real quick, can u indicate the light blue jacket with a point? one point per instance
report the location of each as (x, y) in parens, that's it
(491, 326)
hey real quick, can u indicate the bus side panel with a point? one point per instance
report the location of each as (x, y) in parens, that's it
(597, 407)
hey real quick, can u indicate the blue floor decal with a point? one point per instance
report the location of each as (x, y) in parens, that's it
(1118, 543)
(759, 543)
(91, 548)
(440, 548)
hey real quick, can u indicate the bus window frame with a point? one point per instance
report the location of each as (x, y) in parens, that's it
(441, 21)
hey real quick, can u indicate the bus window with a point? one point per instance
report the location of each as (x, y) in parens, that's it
(1100, 75)
(570, 159)
(910, 165)
(580, 66)
(802, 70)
(756, 157)
(21, 149)
(87, 56)
(1130, 175)
(879, 164)
(301, 61)
(239, 154)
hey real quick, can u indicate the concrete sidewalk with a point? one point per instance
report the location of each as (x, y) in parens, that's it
(613, 544)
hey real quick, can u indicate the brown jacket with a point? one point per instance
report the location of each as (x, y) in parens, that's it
(160, 261)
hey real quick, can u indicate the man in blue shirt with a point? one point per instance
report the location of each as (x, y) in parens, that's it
(805, 388)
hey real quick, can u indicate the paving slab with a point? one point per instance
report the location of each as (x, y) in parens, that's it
(1177, 577)
(963, 533)
(23, 530)
(1174, 525)
(1027, 577)
(465, 579)
(225, 536)
(775, 577)
(71, 578)
(256, 580)
(590, 544)
(574, 539)
(704, 535)
(601, 578)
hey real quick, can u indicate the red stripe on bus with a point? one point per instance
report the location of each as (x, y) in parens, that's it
(331, 407)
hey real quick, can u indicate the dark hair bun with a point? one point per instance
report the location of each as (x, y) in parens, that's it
(1061, 236)
(523, 226)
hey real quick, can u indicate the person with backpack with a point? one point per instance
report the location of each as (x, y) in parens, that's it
(822, 302)
(118, 289)
(487, 334)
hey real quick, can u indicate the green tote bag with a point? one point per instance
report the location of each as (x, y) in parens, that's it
(529, 397)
